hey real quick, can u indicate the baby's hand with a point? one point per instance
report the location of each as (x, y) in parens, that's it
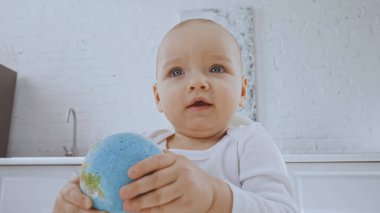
(167, 183)
(71, 200)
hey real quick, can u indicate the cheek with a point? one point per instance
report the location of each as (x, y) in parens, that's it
(170, 96)
(229, 91)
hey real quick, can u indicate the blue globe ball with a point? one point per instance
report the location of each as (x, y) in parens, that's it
(105, 168)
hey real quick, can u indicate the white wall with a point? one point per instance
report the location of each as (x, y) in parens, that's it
(317, 68)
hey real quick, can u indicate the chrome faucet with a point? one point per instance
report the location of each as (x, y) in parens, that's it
(74, 148)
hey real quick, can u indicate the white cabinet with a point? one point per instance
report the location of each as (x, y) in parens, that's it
(32, 186)
(336, 187)
(323, 183)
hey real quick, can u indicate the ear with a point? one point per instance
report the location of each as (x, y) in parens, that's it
(243, 91)
(157, 97)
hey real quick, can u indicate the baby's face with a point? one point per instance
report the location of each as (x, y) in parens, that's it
(199, 83)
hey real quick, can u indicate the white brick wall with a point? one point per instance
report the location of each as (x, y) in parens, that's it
(317, 69)
(320, 79)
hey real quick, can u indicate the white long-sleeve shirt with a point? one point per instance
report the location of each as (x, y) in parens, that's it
(248, 160)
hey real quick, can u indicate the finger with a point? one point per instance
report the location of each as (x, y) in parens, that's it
(173, 206)
(72, 194)
(151, 164)
(62, 206)
(71, 208)
(154, 198)
(148, 183)
(75, 180)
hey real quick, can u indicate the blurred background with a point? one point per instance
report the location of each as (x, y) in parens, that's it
(316, 67)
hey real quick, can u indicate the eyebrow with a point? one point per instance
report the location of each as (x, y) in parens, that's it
(174, 60)
(220, 57)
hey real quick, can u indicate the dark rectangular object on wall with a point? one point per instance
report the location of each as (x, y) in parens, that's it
(7, 91)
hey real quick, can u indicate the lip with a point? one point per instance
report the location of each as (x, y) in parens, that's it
(198, 108)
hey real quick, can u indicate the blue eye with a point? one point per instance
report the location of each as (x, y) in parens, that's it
(176, 72)
(216, 69)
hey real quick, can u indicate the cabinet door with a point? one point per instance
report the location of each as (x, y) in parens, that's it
(32, 189)
(336, 187)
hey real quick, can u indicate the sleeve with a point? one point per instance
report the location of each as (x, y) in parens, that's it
(159, 137)
(265, 186)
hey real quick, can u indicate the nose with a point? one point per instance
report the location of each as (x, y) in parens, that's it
(198, 82)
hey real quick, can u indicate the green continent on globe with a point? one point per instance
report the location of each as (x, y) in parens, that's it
(91, 181)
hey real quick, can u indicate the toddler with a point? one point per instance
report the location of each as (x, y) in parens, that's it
(207, 165)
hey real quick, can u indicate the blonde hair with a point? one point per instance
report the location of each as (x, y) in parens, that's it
(199, 21)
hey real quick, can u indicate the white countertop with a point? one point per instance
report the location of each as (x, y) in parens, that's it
(326, 158)
(289, 158)
(42, 161)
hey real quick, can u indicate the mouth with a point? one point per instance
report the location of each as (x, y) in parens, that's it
(199, 104)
